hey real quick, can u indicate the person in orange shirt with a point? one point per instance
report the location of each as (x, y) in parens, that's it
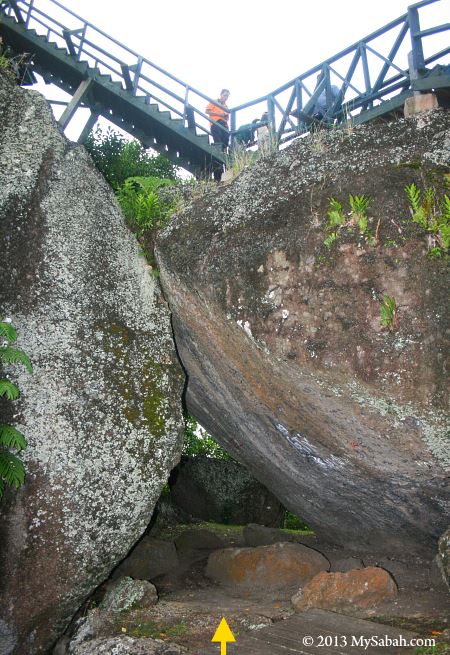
(218, 116)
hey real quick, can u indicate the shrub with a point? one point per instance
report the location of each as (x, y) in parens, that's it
(198, 442)
(141, 204)
(118, 158)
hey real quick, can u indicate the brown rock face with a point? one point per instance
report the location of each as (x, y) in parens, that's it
(270, 568)
(288, 365)
(338, 592)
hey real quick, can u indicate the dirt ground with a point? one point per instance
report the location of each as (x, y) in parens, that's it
(190, 606)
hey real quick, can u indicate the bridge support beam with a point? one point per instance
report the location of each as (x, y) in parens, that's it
(91, 121)
(73, 105)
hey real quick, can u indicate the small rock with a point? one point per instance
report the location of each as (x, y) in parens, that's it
(276, 567)
(127, 593)
(150, 558)
(361, 588)
(126, 646)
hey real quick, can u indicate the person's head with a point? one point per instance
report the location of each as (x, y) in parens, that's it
(224, 95)
(265, 116)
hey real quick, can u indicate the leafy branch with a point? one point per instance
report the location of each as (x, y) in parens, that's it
(12, 470)
(433, 215)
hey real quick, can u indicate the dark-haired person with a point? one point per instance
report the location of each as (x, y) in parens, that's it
(219, 114)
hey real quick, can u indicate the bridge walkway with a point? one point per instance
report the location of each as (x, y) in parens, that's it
(318, 632)
(370, 79)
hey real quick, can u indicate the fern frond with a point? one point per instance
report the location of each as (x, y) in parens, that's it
(7, 331)
(388, 312)
(428, 201)
(413, 194)
(12, 470)
(444, 235)
(14, 356)
(330, 240)
(359, 204)
(446, 209)
(9, 390)
(363, 224)
(11, 438)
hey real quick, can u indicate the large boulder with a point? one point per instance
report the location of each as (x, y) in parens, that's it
(223, 491)
(343, 592)
(274, 568)
(102, 410)
(289, 366)
(148, 559)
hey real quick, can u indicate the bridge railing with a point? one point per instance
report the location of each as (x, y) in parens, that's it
(85, 42)
(363, 75)
(374, 69)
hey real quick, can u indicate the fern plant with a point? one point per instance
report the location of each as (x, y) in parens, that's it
(432, 215)
(141, 203)
(388, 312)
(357, 216)
(12, 471)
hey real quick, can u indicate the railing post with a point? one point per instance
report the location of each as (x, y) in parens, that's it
(232, 125)
(83, 36)
(186, 102)
(416, 59)
(30, 8)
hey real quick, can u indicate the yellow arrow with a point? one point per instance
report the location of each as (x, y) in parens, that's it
(223, 634)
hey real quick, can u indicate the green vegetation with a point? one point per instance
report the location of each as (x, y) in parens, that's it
(241, 157)
(143, 208)
(439, 649)
(433, 215)
(118, 158)
(155, 631)
(356, 217)
(12, 471)
(198, 442)
(388, 313)
(293, 523)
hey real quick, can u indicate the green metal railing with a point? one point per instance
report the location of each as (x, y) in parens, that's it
(361, 85)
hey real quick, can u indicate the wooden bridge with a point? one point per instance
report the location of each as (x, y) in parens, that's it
(319, 632)
(167, 114)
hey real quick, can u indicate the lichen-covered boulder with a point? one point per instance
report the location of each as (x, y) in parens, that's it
(274, 568)
(343, 592)
(127, 594)
(101, 411)
(126, 646)
(223, 491)
(336, 401)
(443, 557)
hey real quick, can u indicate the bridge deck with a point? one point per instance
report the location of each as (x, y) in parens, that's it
(286, 637)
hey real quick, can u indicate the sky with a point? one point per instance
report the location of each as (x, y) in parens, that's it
(247, 46)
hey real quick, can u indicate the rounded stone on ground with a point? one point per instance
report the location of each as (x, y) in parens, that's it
(277, 567)
(126, 646)
(340, 592)
(127, 594)
(150, 558)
